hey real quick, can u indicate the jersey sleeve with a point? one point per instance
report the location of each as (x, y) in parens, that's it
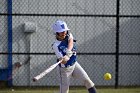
(71, 36)
(56, 50)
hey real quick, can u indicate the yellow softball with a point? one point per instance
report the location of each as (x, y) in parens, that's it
(107, 76)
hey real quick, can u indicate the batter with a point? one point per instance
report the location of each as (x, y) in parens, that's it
(65, 50)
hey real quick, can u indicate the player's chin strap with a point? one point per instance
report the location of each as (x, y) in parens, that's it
(92, 90)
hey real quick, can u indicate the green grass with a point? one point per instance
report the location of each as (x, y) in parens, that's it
(73, 90)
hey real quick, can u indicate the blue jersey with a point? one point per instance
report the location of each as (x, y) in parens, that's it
(60, 49)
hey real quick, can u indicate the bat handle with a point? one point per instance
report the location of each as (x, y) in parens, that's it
(34, 79)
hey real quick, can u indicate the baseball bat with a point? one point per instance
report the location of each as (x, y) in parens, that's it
(45, 72)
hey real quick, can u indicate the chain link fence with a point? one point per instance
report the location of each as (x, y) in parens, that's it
(107, 34)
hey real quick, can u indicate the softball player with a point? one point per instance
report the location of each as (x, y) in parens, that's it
(65, 50)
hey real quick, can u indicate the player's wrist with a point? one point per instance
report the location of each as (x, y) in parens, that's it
(69, 52)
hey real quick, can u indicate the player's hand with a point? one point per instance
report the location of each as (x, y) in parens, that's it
(65, 59)
(69, 53)
(64, 62)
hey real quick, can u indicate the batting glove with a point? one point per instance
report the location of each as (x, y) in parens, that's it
(69, 53)
(65, 58)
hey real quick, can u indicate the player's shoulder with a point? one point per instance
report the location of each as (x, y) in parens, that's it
(70, 35)
(56, 43)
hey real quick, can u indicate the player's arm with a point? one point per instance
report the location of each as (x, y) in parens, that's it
(70, 46)
(59, 55)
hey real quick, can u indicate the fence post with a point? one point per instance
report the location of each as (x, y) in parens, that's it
(9, 21)
(117, 45)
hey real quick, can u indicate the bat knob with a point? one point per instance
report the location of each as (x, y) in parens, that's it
(34, 80)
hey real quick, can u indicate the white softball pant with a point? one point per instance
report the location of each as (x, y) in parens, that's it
(75, 71)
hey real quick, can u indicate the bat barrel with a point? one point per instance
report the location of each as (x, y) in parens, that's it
(45, 72)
